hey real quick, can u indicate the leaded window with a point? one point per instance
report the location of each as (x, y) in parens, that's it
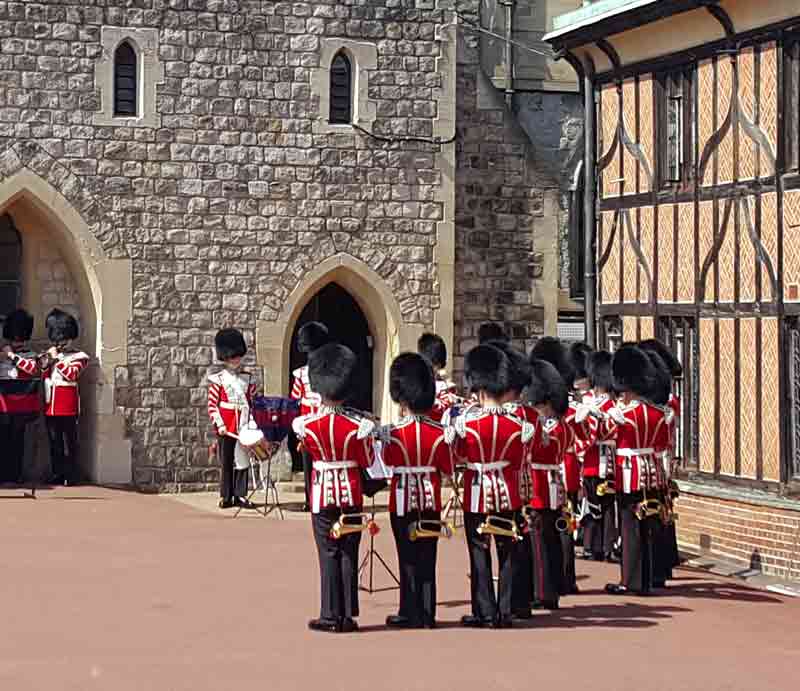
(675, 124)
(341, 90)
(125, 81)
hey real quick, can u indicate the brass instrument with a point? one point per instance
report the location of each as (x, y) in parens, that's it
(430, 529)
(648, 508)
(44, 359)
(497, 525)
(353, 523)
(607, 487)
(566, 522)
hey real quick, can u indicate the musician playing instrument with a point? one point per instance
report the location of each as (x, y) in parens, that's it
(340, 443)
(600, 531)
(310, 336)
(230, 393)
(493, 443)
(433, 348)
(666, 535)
(548, 394)
(637, 426)
(61, 370)
(415, 449)
(19, 401)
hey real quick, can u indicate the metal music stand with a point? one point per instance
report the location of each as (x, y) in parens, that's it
(454, 504)
(368, 563)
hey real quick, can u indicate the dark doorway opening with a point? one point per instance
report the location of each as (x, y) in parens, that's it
(336, 308)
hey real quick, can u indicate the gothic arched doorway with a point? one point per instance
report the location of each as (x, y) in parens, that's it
(338, 310)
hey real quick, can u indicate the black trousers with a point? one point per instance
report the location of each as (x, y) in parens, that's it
(62, 435)
(12, 444)
(522, 566)
(599, 534)
(569, 578)
(485, 604)
(637, 545)
(417, 561)
(338, 566)
(234, 482)
(665, 552)
(548, 560)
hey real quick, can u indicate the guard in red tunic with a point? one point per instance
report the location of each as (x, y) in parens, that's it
(60, 373)
(637, 427)
(433, 348)
(548, 394)
(230, 393)
(415, 450)
(310, 336)
(340, 443)
(19, 393)
(493, 444)
(600, 531)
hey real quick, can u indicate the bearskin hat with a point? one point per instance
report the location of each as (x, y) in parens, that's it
(552, 350)
(331, 369)
(434, 349)
(599, 370)
(411, 382)
(520, 368)
(491, 331)
(311, 336)
(547, 386)
(663, 383)
(579, 354)
(487, 368)
(229, 344)
(18, 326)
(633, 371)
(656, 346)
(61, 326)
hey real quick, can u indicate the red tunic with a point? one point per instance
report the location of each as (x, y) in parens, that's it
(548, 482)
(61, 384)
(493, 444)
(229, 397)
(638, 440)
(21, 395)
(340, 443)
(310, 401)
(416, 451)
(670, 468)
(598, 458)
(584, 434)
(531, 415)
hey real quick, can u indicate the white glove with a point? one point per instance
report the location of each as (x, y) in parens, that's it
(582, 411)
(617, 415)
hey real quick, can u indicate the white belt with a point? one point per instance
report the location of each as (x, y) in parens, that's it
(413, 470)
(322, 466)
(606, 443)
(630, 453)
(486, 467)
(233, 406)
(544, 466)
(66, 384)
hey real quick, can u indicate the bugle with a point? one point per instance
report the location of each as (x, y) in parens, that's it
(497, 525)
(648, 508)
(607, 487)
(566, 522)
(353, 523)
(426, 529)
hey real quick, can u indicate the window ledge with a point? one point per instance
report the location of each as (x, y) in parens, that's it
(743, 494)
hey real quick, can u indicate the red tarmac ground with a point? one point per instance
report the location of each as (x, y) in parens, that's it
(115, 590)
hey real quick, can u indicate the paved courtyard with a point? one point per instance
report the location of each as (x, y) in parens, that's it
(112, 590)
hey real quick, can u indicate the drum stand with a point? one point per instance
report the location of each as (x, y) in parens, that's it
(368, 565)
(269, 485)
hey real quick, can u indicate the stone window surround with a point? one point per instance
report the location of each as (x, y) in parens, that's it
(149, 73)
(363, 58)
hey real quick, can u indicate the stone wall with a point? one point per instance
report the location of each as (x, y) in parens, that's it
(225, 205)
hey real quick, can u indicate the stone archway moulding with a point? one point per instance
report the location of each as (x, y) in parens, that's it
(391, 335)
(105, 288)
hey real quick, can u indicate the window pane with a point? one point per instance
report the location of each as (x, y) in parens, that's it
(674, 137)
(340, 90)
(125, 80)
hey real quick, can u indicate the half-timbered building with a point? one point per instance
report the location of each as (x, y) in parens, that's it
(693, 193)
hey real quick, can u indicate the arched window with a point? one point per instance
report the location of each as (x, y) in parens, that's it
(10, 266)
(125, 81)
(341, 111)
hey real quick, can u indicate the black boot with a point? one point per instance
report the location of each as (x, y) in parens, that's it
(324, 625)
